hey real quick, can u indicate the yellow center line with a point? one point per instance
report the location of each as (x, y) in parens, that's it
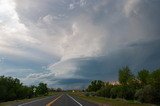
(50, 103)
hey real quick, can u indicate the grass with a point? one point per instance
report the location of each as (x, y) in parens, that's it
(9, 103)
(110, 102)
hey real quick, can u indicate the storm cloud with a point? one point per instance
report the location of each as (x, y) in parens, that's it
(68, 43)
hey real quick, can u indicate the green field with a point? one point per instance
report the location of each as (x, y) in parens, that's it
(107, 101)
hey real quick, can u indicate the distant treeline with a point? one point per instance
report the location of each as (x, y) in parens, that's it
(143, 87)
(12, 89)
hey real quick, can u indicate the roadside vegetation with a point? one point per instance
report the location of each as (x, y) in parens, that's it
(108, 101)
(12, 89)
(143, 87)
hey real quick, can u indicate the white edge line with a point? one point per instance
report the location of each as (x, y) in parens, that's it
(74, 100)
(32, 101)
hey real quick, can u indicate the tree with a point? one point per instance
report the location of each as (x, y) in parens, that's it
(51, 89)
(12, 89)
(127, 92)
(105, 91)
(134, 83)
(95, 86)
(9, 88)
(155, 82)
(122, 91)
(42, 89)
(155, 79)
(59, 90)
(124, 75)
(145, 94)
(143, 76)
(115, 91)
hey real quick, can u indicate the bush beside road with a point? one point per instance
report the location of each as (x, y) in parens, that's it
(108, 101)
(143, 87)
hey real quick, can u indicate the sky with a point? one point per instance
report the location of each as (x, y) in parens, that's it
(68, 43)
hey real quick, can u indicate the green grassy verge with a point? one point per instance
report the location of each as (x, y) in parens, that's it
(9, 103)
(110, 102)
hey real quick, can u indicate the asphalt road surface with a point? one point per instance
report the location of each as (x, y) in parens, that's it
(59, 100)
(37, 102)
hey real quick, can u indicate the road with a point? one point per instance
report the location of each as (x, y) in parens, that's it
(59, 100)
(38, 102)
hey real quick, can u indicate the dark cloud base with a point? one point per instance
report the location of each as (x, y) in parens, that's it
(136, 56)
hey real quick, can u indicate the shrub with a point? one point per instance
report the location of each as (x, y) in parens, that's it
(104, 92)
(145, 94)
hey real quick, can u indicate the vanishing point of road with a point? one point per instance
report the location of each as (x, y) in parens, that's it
(59, 100)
